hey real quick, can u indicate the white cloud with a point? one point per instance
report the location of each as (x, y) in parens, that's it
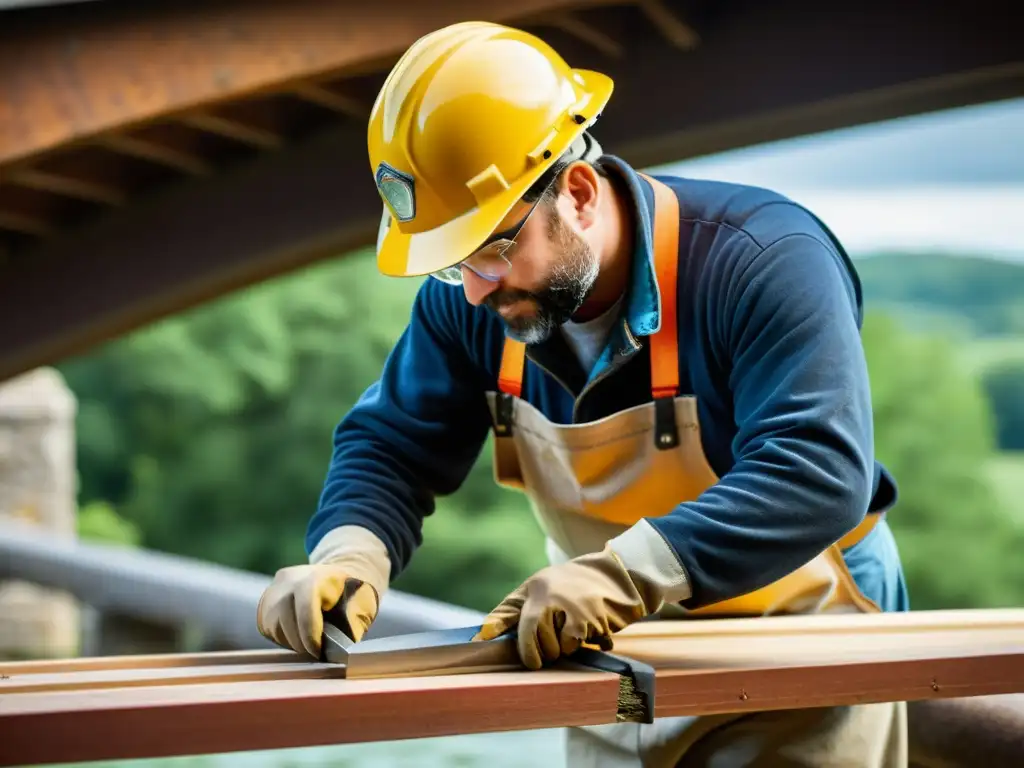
(968, 219)
(949, 181)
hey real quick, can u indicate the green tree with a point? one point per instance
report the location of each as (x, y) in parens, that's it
(98, 521)
(1004, 384)
(934, 432)
(986, 294)
(210, 432)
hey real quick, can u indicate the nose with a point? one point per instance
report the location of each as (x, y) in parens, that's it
(477, 289)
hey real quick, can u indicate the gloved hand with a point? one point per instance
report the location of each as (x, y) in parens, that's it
(291, 609)
(561, 607)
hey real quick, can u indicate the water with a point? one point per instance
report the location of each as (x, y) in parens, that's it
(510, 749)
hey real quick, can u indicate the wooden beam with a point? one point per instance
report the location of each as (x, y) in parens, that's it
(164, 721)
(25, 225)
(232, 129)
(158, 707)
(61, 184)
(14, 681)
(669, 25)
(261, 231)
(150, 661)
(573, 25)
(202, 238)
(154, 153)
(74, 72)
(331, 99)
(809, 76)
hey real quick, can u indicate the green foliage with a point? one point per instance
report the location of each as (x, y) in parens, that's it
(476, 559)
(985, 294)
(934, 432)
(1006, 473)
(98, 521)
(1004, 384)
(211, 431)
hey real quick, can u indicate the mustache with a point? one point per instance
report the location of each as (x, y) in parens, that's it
(509, 296)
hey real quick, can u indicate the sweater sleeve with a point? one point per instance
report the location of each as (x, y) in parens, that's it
(414, 434)
(787, 322)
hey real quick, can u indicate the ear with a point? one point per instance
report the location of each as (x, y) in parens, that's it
(582, 187)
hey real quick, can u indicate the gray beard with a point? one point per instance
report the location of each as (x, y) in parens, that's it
(562, 298)
(567, 289)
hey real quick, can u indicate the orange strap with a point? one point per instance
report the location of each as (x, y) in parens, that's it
(665, 342)
(513, 359)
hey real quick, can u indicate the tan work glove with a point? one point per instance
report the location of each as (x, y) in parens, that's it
(291, 609)
(564, 606)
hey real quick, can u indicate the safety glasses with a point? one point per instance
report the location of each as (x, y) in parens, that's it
(491, 260)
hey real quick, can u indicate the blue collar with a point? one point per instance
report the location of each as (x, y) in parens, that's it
(642, 305)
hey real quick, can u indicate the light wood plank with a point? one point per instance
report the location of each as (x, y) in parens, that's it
(94, 680)
(148, 661)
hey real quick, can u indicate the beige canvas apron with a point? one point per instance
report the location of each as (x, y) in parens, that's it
(589, 482)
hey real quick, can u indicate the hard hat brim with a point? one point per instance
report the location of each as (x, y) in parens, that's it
(402, 254)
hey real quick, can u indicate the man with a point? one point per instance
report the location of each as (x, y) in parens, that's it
(673, 373)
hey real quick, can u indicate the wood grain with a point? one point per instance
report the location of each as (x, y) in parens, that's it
(152, 661)
(168, 675)
(161, 721)
(206, 703)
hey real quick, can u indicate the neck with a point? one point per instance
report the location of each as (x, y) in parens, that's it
(615, 256)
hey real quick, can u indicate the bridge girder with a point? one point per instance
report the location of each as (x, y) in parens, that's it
(155, 156)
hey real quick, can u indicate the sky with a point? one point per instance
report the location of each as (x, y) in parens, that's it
(951, 181)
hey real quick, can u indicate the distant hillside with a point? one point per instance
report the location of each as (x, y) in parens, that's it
(980, 296)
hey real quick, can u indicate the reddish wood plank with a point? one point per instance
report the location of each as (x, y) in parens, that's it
(160, 707)
(205, 719)
(717, 691)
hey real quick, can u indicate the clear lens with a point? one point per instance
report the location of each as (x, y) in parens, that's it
(450, 275)
(490, 263)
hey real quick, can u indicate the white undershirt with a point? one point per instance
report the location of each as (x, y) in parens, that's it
(587, 339)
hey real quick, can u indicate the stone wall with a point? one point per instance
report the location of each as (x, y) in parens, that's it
(38, 486)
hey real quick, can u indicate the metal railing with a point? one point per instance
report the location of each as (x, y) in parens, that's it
(177, 591)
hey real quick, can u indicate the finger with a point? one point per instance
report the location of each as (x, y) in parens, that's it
(262, 622)
(527, 642)
(325, 591)
(287, 632)
(498, 622)
(310, 621)
(549, 625)
(504, 616)
(530, 640)
(361, 610)
(572, 635)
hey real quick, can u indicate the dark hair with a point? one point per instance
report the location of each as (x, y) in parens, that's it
(585, 149)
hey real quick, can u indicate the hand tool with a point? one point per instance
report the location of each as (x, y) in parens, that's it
(453, 651)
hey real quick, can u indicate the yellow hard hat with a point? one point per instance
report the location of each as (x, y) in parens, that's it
(467, 120)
